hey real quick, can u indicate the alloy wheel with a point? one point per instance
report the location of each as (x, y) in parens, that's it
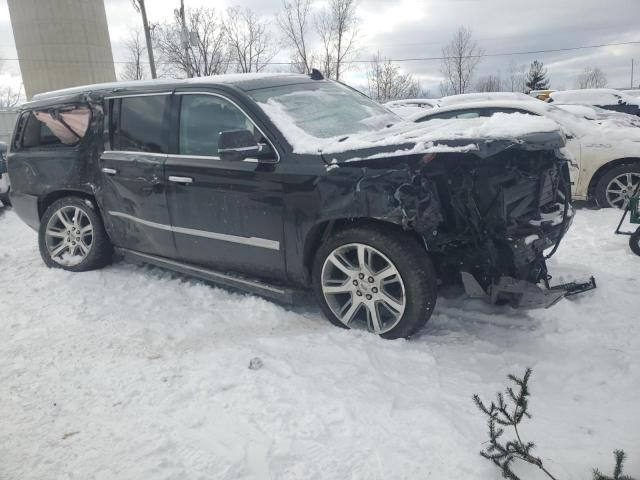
(621, 188)
(69, 236)
(361, 285)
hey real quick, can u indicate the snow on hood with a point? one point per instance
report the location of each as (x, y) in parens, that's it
(414, 137)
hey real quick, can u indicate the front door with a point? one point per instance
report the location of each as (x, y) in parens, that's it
(226, 215)
(132, 191)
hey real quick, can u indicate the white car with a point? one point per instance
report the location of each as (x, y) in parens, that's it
(606, 118)
(4, 176)
(606, 98)
(607, 154)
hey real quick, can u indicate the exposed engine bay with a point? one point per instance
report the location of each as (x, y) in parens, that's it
(489, 222)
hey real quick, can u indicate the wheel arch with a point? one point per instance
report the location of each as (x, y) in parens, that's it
(322, 230)
(600, 172)
(46, 200)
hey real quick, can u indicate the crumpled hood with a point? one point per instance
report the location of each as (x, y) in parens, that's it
(482, 136)
(404, 137)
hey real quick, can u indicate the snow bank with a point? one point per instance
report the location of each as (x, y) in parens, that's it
(133, 372)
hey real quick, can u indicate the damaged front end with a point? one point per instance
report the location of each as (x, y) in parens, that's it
(488, 218)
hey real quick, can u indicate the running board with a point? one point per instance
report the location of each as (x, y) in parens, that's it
(249, 285)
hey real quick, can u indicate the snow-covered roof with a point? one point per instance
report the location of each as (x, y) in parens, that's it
(593, 96)
(409, 111)
(488, 96)
(428, 102)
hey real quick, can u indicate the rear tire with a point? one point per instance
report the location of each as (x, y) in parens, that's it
(634, 242)
(4, 198)
(72, 236)
(615, 187)
(378, 277)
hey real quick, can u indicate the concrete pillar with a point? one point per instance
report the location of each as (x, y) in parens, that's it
(61, 43)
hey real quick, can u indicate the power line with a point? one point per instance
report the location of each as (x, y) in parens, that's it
(415, 59)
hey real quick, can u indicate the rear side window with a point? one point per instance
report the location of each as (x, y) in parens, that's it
(53, 127)
(137, 124)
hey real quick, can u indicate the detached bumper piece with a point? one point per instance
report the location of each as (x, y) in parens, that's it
(523, 294)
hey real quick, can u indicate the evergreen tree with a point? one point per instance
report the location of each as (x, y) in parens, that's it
(509, 409)
(537, 77)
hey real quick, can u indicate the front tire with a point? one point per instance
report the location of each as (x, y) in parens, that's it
(616, 186)
(634, 242)
(72, 236)
(379, 278)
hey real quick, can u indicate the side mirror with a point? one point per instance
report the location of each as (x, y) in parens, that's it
(236, 145)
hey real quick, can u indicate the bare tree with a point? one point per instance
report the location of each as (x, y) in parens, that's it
(489, 83)
(140, 7)
(10, 97)
(134, 69)
(325, 27)
(516, 77)
(248, 39)
(460, 60)
(592, 77)
(294, 23)
(387, 82)
(207, 52)
(337, 26)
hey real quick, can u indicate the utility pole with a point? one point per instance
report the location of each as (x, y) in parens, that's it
(632, 64)
(140, 7)
(185, 39)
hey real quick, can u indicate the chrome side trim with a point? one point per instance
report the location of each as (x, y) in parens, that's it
(130, 154)
(173, 178)
(205, 271)
(109, 171)
(242, 110)
(251, 241)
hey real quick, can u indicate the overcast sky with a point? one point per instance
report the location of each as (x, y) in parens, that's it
(419, 28)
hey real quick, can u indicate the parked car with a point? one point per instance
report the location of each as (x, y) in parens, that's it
(634, 92)
(606, 98)
(607, 154)
(279, 183)
(4, 176)
(606, 118)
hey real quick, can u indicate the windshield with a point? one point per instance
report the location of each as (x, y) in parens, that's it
(321, 110)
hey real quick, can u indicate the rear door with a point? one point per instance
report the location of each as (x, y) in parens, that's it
(132, 190)
(227, 215)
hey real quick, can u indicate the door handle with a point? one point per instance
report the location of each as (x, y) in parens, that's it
(180, 179)
(109, 171)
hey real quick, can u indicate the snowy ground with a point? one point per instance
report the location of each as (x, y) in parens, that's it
(132, 372)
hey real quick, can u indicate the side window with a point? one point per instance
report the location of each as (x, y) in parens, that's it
(53, 127)
(137, 124)
(453, 114)
(203, 118)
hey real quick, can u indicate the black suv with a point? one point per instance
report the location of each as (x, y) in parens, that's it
(280, 183)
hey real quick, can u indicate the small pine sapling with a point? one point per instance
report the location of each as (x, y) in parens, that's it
(617, 471)
(502, 414)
